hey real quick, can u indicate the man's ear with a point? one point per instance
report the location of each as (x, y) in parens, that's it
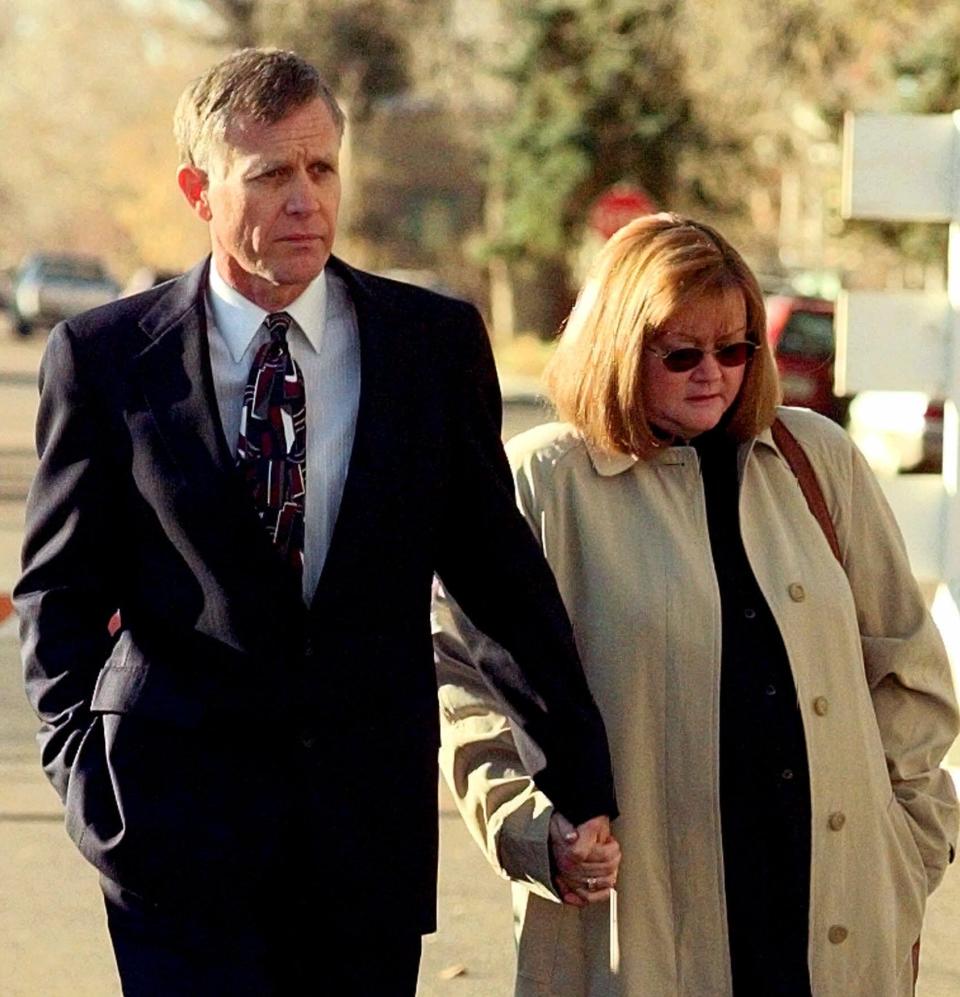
(193, 182)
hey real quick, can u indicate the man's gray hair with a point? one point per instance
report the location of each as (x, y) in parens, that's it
(262, 84)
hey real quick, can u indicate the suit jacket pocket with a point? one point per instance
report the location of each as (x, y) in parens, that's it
(121, 812)
(169, 813)
(94, 813)
(132, 682)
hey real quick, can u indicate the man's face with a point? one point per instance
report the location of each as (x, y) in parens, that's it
(271, 200)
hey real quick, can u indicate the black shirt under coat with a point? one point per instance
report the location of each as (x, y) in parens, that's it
(764, 776)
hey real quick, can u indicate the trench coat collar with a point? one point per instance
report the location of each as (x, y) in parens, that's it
(609, 463)
(763, 438)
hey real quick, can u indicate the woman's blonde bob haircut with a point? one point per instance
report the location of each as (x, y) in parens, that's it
(648, 271)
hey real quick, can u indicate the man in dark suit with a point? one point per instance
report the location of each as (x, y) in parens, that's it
(255, 471)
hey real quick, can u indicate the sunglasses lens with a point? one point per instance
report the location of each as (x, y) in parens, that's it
(735, 354)
(686, 358)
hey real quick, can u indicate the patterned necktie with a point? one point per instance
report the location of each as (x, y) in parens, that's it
(273, 440)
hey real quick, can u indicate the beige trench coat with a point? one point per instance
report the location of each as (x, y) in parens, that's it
(628, 543)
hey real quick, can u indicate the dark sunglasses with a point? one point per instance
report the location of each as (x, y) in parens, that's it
(688, 357)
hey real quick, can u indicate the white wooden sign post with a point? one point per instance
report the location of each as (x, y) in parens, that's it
(906, 167)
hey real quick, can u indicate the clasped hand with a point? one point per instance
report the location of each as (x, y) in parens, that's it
(586, 859)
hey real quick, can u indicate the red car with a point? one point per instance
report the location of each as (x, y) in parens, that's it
(800, 331)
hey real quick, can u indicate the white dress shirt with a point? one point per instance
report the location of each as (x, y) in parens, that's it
(324, 341)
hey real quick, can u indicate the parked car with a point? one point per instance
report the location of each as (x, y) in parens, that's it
(896, 430)
(524, 404)
(6, 287)
(50, 287)
(801, 334)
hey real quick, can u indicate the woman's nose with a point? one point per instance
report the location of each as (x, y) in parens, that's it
(708, 369)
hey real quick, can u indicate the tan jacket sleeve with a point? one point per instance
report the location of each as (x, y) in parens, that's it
(506, 814)
(906, 665)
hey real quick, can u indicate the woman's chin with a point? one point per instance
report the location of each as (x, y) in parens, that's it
(701, 418)
(695, 427)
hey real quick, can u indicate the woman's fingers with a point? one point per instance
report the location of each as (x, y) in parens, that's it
(586, 864)
(593, 892)
(601, 863)
(568, 892)
(593, 871)
(562, 832)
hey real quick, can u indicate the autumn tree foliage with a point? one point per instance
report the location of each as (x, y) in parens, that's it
(599, 98)
(720, 109)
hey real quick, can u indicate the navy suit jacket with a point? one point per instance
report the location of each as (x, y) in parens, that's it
(182, 745)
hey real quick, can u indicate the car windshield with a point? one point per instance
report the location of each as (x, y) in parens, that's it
(67, 269)
(807, 334)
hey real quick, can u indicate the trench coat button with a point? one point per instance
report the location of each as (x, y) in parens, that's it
(836, 821)
(837, 934)
(821, 706)
(796, 592)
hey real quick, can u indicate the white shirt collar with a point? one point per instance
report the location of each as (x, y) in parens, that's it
(237, 318)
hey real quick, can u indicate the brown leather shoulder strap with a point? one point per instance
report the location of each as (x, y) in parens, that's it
(807, 479)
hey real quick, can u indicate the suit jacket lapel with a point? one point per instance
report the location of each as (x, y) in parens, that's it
(177, 381)
(365, 472)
